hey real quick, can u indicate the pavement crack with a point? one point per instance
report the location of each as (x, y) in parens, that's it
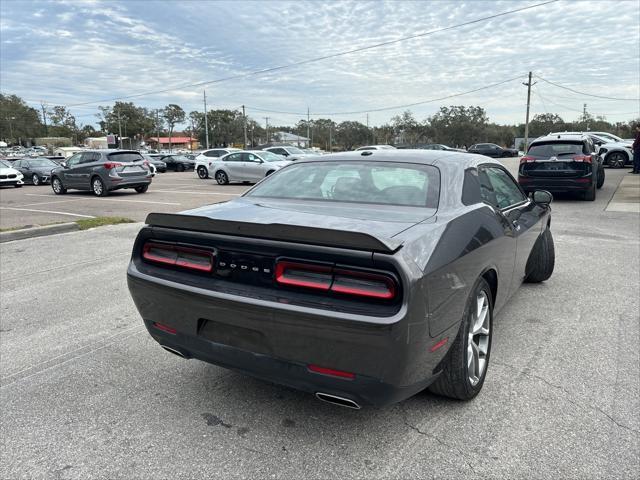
(568, 396)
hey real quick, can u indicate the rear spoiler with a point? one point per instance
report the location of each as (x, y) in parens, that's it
(276, 231)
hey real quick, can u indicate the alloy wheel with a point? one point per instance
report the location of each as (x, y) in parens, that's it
(478, 339)
(57, 185)
(616, 160)
(221, 178)
(97, 187)
(35, 179)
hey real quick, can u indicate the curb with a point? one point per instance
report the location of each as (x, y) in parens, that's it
(38, 231)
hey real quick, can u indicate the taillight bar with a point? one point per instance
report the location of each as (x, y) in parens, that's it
(582, 158)
(176, 255)
(527, 159)
(339, 280)
(110, 165)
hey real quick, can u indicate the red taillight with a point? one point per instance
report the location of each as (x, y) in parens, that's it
(582, 180)
(331, 372)
(527, 159)
(582, 158)
(304, 275)
(524, 179)
(185, 257)
(342, 281)
(110, 165)
(164, 328)
(363, 284)
(440, 344)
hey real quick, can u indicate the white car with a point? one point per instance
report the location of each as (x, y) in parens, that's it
(246, 166)
(9, 176)
(289, 152)
(615, 151)
(377, 147)
(205, 158)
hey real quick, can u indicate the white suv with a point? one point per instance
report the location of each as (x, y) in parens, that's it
(615, 151)
(206, 158)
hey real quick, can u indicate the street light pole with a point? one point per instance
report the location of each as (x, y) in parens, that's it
(206, 122)
(244, 122)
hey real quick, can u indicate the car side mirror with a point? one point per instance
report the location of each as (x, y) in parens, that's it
(542, 197)
(64, 164)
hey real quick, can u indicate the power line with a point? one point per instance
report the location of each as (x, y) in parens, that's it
(576, 109)
(587, 94)
(324, 57)
(394, 107)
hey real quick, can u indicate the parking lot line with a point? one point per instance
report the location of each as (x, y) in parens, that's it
(46, 203)
(200, 193)
(99, 199)
(47, 211)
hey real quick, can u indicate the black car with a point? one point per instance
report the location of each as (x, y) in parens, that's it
(562, 163)
(439, 146)
(36, 171)
(177, 162)
(159, 165)
(361, 277)
(493, 150)
(102, 171)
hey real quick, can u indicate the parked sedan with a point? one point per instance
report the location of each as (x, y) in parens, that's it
(376, 147)
(174, 161)
(493, 150)
(439, 146)
(102, 171)
(207, 157)
(245, 166)
(35, 170)
(9, 176)
(288, 152)
(158, 164)
(352, 276)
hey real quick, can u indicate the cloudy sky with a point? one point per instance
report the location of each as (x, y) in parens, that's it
(74, 52)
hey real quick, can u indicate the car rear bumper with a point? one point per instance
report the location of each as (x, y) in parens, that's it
(279, 344)
(556, 184)
(128, 182)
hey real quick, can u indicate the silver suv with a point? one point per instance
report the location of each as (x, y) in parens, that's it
(102, 171)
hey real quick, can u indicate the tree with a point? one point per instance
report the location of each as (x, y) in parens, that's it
(125, 116)
(406, 129)
(18, 121)
(351, 133)
(63, 123)
(458, 125)
(173, 114)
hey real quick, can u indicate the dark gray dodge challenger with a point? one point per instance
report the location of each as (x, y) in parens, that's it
(361, 277)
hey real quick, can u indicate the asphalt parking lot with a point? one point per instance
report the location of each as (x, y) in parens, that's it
(86, 393)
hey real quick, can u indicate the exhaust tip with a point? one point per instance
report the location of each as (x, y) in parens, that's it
(339, 401)
(174, 351)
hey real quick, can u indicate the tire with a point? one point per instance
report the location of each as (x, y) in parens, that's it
(222, 178)
(35, 179)
(142, 188)
(459, 379)
(57, 186)
(180, 167)
(590, 195)
(616, 160)
(17, 185)
(600, 178)
(542, 259)
(98, 187)
(203, 173)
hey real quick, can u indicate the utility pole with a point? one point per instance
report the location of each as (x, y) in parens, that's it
(119, 131)
(308, 122)
(330, 148)
(266, 121)
(368, 127)
(526, 125)
(158, 128)
(244, 119)
(44, 118)
(584, 116)
(206, 122)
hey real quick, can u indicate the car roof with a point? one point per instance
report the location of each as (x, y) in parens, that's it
(420, 156)
(107, 150)
(561, 136)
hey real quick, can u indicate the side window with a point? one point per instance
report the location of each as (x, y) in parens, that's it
(74, 160)
(498, 188)
(20, 164)
(249, 157)
(235, 157)
(279, 151)
(471, 187)
(89, 157)
(211, 153)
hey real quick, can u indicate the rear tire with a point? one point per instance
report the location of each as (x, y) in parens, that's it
(542, 259)
(17, 185)
(590, 195)
(222, 178)
(180, 167)
(57, 187)
(142, 188)
(600, 178)
(465, 366)
(203, 173)
(98, 187)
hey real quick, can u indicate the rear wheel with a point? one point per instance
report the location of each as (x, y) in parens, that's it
(98, 187)
(57, 187)
(600, 178)
(221, 178)
(142, 188)
(180, 167)
(542, 259)
(465, 366)
(590, 195)
(18, 185)
(203, 172)
(35, 179)
(616, 160)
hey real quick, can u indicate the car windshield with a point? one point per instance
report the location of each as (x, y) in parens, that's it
(610, 137)
(270, 157)
(385, 183)
(555, 149)
(180, 158)
(125, 157)
(295, 150)
(45, 162)
(5, 164)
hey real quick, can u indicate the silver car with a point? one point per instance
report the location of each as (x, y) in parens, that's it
(246, 166)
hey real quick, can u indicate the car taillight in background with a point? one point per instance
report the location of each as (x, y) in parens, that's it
(176, 255)
(111, 165)
(527, 159)
(344, 281)
(582, 158)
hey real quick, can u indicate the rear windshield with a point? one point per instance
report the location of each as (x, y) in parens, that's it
(45, 162)
(125, 157)
(556, 149)
(384, 183)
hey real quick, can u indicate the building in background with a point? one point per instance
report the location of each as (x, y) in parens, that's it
(179, 141)
(291, 139)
